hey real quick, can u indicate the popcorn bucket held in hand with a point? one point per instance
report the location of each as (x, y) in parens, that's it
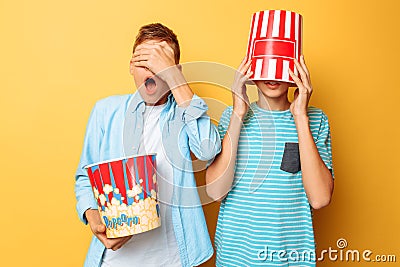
(275, 39)
(126, 193)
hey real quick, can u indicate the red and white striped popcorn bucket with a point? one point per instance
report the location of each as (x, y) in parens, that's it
(275, 39)
(126, 192)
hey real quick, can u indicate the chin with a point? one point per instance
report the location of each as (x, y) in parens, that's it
(154, 98)
(274, 95)
(273, 89)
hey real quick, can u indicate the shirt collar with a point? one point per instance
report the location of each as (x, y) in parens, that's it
(137, 102)
(170, 99)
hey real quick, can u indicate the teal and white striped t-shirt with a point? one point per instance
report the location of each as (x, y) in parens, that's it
(266, 219)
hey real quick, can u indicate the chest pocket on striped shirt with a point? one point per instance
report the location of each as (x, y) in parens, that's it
(291, 158)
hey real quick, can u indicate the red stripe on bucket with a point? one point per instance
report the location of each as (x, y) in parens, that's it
(140, 165)
(105, 176)
(118, 172)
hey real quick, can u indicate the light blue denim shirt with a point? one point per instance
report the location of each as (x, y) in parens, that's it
(114, 130)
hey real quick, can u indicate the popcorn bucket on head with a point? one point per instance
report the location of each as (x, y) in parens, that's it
(275, 39)
(126, 193)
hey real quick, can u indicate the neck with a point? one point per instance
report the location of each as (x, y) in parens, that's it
(268, 103)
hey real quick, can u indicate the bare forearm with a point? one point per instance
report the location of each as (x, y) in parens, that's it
(317, 179)
(179, 87)
(219, 175)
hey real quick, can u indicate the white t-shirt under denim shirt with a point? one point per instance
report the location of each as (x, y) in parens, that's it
(156, 247)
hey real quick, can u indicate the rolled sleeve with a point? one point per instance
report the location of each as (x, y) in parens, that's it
(85, 199)
(204, 139)
(195, 110)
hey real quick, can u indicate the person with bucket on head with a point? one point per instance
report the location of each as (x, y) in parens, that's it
(276, 162)
(163, 118)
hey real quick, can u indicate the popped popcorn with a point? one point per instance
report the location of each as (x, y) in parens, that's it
(107, 188)
(136, 189)
(115, 202)
(153, 194)
(126, 211)
(124, 220)
(102, 198)
(154, 178)
(95, 193)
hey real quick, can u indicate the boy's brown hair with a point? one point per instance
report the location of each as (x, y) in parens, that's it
(159, 32)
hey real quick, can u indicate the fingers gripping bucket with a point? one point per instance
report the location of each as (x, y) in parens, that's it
(275, 39)
(126, 193)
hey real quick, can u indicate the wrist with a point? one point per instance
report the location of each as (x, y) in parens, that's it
(239, 114)
(173, 77)
(301, 117)
(301, 120)
(89, 214)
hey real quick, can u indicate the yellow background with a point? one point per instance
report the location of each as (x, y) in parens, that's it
(59, 57)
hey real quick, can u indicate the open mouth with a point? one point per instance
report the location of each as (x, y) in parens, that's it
(150, 85)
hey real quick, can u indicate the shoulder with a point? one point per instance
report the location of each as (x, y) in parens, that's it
(110, 107)
(226, 114)
(112, 104)
(316, 114)
(114, 101)
(318, 122)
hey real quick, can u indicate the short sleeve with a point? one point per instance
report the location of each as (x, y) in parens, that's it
(224, 122)
(323, 143)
